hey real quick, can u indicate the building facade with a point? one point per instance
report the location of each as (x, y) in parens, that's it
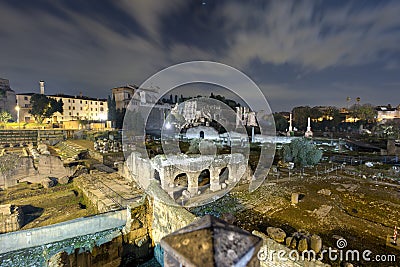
(123, 95)
(74, 108)
(8, 100)
(388, 113)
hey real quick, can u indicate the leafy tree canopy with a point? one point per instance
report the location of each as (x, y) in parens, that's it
(281, 123)
(5, 116)
(302, 152)
(364, 112)
(44, 107)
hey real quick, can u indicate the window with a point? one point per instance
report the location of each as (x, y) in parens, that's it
(86, 102)
(101, 109)
(95, 103)
(77, 114)
(95, 109)
(81, 101)
(91, 109)
(73, 101)
(69, 107)
(81, 108)
(70, 113)
(73, 108)
(69, 100)
(101, 103)
(25, 98)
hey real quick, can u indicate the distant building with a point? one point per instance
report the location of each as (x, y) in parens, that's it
(74, 108)
(8, 100)
(81, 108)
(142, 97)
(388, 113)
(123, 95)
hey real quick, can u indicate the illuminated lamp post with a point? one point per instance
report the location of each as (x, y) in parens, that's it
(17, 108)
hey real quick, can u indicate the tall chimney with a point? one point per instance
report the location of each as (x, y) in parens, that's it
(41, 87)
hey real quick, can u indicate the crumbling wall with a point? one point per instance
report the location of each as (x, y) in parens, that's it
(11, 218)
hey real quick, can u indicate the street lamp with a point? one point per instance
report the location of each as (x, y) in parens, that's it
(17, 108)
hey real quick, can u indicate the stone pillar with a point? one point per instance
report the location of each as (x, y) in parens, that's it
(163, 179)
(214, 179)
(193, 185)
(232, 168)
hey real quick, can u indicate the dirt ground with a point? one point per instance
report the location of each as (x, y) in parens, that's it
(361, 211)
(43, 206)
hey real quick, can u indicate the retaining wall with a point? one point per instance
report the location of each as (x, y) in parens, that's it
(60, 231)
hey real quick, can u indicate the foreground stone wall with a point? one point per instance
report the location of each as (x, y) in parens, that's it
(60, 231)
(167, 218)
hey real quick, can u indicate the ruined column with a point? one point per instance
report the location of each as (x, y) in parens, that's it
(193, 185)
(214, 179)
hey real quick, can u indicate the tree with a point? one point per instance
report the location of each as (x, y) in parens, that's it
(281, 123)
(302, 152)
(366, 112)
(300, 116)
(112, 108)
(194, 146)
(44, 107)
(5, 116)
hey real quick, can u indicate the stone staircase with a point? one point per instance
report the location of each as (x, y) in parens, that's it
(69, 151)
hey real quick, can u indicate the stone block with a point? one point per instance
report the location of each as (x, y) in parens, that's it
(303, 245)
(63, 180)
(316, 243)
(295, 198)
(325, 192)
(276, 234)
(47, 183)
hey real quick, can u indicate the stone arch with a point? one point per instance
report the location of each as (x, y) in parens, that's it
(224, 175)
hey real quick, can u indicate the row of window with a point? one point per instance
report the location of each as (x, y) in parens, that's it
(86, 102)
(77, 114)
(91, 109)
(73, 101)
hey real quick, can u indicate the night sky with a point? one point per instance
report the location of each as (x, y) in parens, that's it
(298, 52)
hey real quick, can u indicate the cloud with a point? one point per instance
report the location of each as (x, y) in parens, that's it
(77, 49)
(309, 35)
(149, 13)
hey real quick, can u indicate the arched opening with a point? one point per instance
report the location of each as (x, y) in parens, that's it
(203, 180)
(201, 134)
(180, 184)
(223, 175)
(181, 180)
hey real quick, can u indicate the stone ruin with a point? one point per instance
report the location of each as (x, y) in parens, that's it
(11, 218)
(37, 165)
(107, 146)
(186, 177)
